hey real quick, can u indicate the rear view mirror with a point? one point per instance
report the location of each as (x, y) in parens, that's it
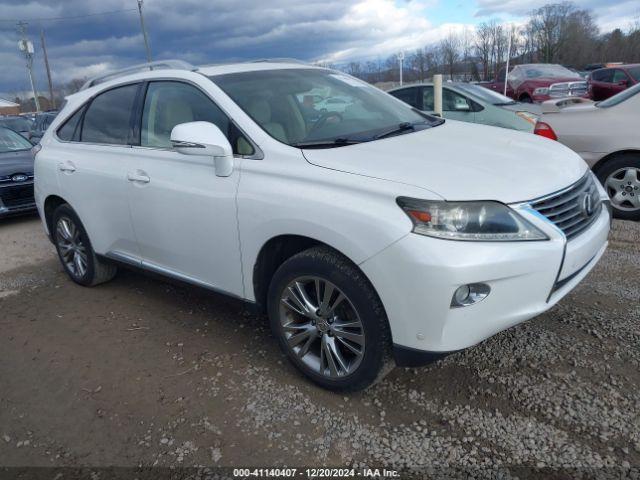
(204, 138)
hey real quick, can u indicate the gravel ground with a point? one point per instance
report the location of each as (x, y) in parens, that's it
(140, 372)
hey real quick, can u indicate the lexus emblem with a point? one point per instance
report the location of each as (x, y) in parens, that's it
(19, 177)
(587, 204)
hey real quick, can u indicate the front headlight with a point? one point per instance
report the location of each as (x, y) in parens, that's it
(471, 221)
(541, 91)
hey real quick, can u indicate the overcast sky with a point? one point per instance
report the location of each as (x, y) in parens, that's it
(206, 31)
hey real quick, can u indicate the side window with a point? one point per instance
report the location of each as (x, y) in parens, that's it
(108, 117)
(454, 102)
(603, 76)
(168, 104)
(407, 95)
(427, 99)
(70, 130)
(619, 76)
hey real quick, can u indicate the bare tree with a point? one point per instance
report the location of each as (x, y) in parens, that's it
(550, 26)
(483, 48)
(418, 62)
(450, 48)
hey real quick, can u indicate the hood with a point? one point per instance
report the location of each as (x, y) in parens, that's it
(16, 162)
(462, 161)
(546, 81)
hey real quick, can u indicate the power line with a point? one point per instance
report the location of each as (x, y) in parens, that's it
(71, 17)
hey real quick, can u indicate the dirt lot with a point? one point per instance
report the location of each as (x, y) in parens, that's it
(142, 372)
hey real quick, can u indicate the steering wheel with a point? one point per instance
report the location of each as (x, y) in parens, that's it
(323, 119)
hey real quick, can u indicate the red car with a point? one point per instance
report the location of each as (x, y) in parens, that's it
(538, 82)
(606, 82)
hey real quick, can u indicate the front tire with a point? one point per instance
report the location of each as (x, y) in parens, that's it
(75, 251)
(329, 320)
(620, 176)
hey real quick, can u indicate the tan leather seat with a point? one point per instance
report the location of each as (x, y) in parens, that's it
(170, 112)
(260, 110)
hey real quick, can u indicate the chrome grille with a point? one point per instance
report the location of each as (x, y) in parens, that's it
(573, 209)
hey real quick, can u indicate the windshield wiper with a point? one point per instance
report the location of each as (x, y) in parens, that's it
(336, 142)
(400, 128)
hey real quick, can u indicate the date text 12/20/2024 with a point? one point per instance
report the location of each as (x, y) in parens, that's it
(315, 472)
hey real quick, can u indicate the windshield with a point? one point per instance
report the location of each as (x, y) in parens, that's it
(620, 97)
(318, 108)
(485, 94)
(10, 141)
(547, 71)
(17, 124)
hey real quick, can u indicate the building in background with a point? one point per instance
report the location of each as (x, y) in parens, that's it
(8, 108)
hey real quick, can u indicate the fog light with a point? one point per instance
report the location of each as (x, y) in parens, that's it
(469, 294)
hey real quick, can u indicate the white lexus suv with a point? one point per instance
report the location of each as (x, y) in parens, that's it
(371, 235)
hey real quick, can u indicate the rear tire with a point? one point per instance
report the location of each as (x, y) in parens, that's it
(525, 99)
(340, 343)
(75, 252)
(620, 176)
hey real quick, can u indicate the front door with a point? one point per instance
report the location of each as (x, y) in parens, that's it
(184, 216)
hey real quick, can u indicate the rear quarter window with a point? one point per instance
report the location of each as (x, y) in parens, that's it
(70, 130)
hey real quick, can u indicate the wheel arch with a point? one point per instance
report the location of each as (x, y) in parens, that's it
(274, 252)
(525, 96)
(51, 203)
(600, 163)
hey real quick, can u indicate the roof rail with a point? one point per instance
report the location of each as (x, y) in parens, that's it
(279, 60)
(158, 65)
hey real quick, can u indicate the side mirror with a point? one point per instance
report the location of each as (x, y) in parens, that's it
(623, 83)
(204, 138)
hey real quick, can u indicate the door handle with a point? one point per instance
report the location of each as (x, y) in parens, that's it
(138, 177)
(66, 167)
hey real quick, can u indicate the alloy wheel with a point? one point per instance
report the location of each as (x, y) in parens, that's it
(623, 187)
(321, 327)
(71, 247)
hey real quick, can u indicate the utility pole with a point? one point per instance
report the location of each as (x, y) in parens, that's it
(506, 70)
(401, 58)
(52, 102)
(26, 46)
(144, 32)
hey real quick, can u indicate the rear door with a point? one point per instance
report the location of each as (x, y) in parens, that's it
(184, 216)
(92, 160)
(410, 96)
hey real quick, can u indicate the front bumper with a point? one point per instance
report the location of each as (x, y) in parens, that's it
(16, 199)
(545, 97)
(21, 210)
(417, 276)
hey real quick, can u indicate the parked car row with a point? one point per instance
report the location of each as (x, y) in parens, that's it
(30, 128)
(18, 134)
(542, 82)
(471, 103)
(16, 174)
